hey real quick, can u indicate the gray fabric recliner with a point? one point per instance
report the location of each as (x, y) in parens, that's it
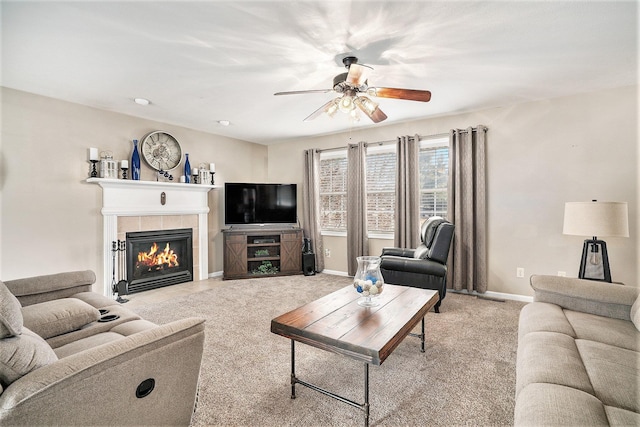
(426, 266)
(69, 356)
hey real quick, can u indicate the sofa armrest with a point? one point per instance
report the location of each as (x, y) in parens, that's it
(412, 265)
(48, 287)
(408, 253)
(588, 296)
(98, 386)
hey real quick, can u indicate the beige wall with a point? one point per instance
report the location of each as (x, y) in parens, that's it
(51, 219)
(539, 155)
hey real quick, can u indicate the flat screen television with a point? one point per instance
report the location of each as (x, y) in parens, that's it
(246, 203)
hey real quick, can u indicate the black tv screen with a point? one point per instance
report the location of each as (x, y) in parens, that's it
(246, 203)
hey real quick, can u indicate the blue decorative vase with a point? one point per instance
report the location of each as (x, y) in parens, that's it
(187, 168)
(135, 162)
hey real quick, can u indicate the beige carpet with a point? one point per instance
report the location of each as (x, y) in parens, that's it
(466, 376)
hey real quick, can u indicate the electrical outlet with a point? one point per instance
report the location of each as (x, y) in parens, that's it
(562, 273)
(327, 253)
(519, 272)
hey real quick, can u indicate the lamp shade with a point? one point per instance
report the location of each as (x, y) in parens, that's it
(596, 219)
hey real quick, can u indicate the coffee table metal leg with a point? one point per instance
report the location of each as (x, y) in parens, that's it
(294, 380)
(422, 337)
(293, 370)
(365, 407)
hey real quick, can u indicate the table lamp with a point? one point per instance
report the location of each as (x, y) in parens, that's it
(596, 219)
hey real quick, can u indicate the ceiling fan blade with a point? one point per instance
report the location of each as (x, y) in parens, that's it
(319, 111)
(409, 94)
(358, 74)
(300, 92)
(377, 116)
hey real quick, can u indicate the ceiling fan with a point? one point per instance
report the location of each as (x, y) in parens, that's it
(352, 87)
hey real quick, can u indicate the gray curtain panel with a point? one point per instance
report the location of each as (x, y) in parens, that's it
(357, 240)
(407, 209)
(467, 209)
(311, 204)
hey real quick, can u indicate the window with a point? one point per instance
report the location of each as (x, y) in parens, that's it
(381, 187)
(333, 191)
(433, 163)
(434, 177)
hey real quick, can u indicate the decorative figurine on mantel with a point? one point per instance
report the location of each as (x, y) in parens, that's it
(108, 166)
(124, 165)
(164, 176)
(93, 158)
(203, 175)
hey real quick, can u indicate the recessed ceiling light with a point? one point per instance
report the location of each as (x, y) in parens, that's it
(224, 122)
(141, 101)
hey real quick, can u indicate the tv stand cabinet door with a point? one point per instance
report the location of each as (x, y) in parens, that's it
(291, 252)
(235, 255)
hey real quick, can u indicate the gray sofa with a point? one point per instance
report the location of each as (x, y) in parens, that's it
(69, 356)
(578, 359)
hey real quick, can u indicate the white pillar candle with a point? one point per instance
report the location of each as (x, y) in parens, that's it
(194, 171)
(212, 167)
(93, 153)
(183, 179)
(124, 164)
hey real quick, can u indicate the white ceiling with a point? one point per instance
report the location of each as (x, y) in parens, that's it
(199, 62)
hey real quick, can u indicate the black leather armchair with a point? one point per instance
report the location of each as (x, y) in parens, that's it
(426, 266)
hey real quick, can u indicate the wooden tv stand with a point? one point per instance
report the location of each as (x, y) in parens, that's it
(257, 252)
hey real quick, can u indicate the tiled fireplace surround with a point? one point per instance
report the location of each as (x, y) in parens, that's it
(162, 222)
(137, 206)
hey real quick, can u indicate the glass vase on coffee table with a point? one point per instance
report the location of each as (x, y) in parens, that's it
(368, 280)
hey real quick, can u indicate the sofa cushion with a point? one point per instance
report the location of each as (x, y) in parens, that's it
(550, 357)
(22, 354)
(10, 313)
(544, 317)
(617, 332)
(622, 417)
(95, 299)
(57, 317)
(117, 332)
(556, 405)
(635, 313)
(86, 343)
(421, 252)
(122, 313)
(614, 373)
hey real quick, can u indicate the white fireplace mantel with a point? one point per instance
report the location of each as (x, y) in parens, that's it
(141, 198)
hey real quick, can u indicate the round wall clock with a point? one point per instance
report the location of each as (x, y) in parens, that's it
(161, 150)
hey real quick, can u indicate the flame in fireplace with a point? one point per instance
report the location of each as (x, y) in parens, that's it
(166, 258)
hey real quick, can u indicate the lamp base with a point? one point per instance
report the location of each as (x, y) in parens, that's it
(594, 264)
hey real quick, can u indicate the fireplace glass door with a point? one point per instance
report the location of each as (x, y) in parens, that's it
(159, 258)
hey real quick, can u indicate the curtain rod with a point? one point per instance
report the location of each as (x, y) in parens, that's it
(391, 141)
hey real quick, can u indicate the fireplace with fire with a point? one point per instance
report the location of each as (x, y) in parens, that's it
(159, 258)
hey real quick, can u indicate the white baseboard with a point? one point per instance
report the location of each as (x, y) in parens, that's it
(335, 272)
(495, 295)
(513, 297)
(488, 294)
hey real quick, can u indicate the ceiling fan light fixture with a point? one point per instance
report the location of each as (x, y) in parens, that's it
(332, 108)
(346, 104)
(366, 104)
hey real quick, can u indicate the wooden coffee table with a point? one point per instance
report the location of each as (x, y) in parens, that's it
(338, 324)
